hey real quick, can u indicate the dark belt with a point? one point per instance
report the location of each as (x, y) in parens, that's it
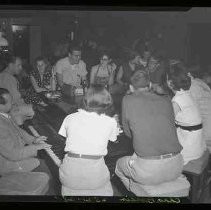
(95, 157)
(160, 156)
(190, 128)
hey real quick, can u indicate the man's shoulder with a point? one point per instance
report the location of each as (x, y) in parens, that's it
(6, 76)
(62, 61)
(129, 98)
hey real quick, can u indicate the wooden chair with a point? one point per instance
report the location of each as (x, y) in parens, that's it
(197, 172)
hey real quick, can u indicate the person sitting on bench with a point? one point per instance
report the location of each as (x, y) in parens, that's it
(148, 119)
(18, 149)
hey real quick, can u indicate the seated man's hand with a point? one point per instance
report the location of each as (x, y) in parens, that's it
(42, 146)
(40, 139)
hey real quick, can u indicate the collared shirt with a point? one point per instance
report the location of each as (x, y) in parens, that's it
(71, 73)
(10, 83)
(88, 133)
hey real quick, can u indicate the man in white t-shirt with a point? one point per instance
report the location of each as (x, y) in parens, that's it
(71, 70)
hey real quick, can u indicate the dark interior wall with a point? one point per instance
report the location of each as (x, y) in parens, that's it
(121, 27)
(118, 27)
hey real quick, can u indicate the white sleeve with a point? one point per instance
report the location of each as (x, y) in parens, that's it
(63, 130)
(83, 69)
(114, 132)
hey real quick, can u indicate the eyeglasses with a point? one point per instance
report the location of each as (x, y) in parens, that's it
(104, 59)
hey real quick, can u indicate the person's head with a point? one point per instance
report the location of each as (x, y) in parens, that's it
(5, 100)
(41, 64)
(104, 58)
(140, 79)
(134, 58)
(97, 99)
(14, 64)
(146, 54)
(178, 79)
(74, 54)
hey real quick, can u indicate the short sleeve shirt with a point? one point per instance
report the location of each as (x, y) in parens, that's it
(71, 74)
(88, 133)
(189, 113)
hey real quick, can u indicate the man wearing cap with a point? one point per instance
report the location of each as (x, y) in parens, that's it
(148, 119)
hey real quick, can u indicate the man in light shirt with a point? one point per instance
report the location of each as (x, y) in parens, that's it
(71, 70)
(20, 111)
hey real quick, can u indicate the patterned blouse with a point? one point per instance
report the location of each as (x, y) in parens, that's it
(31, 95)
(44, 81)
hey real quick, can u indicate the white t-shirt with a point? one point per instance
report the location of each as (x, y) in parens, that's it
(71, 73)
(189, 114)
(88, 133)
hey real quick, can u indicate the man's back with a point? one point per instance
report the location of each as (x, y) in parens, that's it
(151, 120)
(10, 83)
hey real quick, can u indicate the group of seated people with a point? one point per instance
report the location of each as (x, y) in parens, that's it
(167, 132)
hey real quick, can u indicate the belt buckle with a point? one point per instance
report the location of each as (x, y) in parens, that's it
(80, 155)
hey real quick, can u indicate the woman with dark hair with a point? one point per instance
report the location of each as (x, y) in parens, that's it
(40, 78)
(187, 116)
(83, 171)
(104, 72)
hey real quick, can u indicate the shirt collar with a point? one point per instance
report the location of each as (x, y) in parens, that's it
(5, 115)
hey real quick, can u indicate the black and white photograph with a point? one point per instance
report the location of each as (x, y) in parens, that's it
(105, 104)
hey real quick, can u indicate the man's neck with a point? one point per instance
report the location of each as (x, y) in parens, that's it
(145, 89)
(71, 61)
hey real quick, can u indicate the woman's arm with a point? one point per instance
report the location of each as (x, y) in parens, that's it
(35, 85)
(112, 74)
(119, 76)
(92, 75)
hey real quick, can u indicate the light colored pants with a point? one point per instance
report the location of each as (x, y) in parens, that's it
(22, 112)
(85, 177)
(135, 171)
(25, 165)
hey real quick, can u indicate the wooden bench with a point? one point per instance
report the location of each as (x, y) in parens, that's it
(197, 173)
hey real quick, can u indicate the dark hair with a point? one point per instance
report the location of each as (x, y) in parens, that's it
(139, 79)
(106, 53)
(179, 78)
(97, 99)
(131, 55)
(73, 47)
(3, 92)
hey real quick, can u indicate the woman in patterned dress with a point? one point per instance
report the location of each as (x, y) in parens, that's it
(40, 78)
